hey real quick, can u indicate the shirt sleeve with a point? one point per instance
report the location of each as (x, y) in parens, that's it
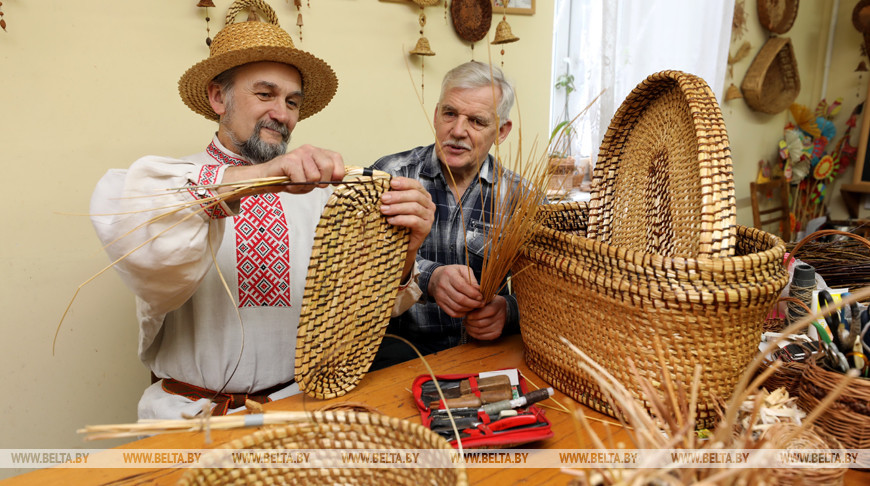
(160, 232)
(409, 293)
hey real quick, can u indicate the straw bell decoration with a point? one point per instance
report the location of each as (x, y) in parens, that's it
(422, 48)
(298, 4)
(206, 4)
(503, 35)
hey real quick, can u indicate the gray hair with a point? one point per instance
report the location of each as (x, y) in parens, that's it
(475, 74)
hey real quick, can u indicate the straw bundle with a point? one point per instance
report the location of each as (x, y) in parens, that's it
(671, 425)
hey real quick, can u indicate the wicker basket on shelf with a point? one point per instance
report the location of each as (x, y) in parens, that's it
(330, 431)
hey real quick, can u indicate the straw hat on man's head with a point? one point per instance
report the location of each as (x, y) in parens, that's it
(253, 41)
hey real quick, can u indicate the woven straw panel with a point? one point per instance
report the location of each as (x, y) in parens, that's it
(612, 303)
(353, 278)
(663, 182)
(330, 431)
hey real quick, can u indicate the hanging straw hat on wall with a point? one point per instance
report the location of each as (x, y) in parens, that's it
(252, 41)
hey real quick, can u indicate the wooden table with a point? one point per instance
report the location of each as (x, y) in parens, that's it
(388, 391)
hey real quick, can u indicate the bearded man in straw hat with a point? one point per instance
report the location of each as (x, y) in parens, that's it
(193, 336)
(460, 174)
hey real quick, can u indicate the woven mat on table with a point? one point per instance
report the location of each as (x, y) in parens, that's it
(663, 183)
(353, 277)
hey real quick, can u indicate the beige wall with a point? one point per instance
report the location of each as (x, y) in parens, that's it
(86, 86)
(755, 135)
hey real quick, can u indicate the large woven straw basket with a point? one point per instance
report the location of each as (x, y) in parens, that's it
(616, 303)
(772, 82)
(353, 277)
(848, 418)
(331, 431)
(663, 181)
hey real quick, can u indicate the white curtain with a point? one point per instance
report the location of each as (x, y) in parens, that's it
(615, 44)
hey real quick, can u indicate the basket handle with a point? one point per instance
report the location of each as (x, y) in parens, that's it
(820, 233)
(252, 5)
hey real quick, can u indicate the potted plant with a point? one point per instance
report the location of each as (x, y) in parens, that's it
(560, 161)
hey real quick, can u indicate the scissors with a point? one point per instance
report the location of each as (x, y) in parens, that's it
(830, 344)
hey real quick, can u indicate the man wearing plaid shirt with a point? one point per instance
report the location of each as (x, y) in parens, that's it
(458, 172)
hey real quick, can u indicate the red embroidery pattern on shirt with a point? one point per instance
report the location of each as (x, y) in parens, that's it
(262, 252)
(208, 175)
(262, 246)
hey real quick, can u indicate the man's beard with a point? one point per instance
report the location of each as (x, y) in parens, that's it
(256, 149)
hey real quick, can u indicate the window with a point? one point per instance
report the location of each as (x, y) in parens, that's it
(616, 44)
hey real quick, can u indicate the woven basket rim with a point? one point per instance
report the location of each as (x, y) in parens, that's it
(322, 422)
(776, 251)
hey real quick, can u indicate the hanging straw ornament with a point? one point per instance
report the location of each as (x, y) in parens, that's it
(2, 22)
(733, 93)
(206, 4)
(503, 35)
(298, 4)
(422, 48)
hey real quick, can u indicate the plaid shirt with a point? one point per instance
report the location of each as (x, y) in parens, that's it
(425, 324)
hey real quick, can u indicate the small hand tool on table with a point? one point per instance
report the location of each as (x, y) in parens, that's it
(470, 426)
(464, 393)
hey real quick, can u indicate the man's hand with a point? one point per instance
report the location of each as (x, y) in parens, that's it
(408, 205)
(487, 323)
(304, 164)
(455, 290)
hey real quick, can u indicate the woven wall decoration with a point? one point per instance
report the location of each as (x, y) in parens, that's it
(777, 16)
(471, 18)
(503, 34)
(861, 21)
(772, 83)
(353, 279)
